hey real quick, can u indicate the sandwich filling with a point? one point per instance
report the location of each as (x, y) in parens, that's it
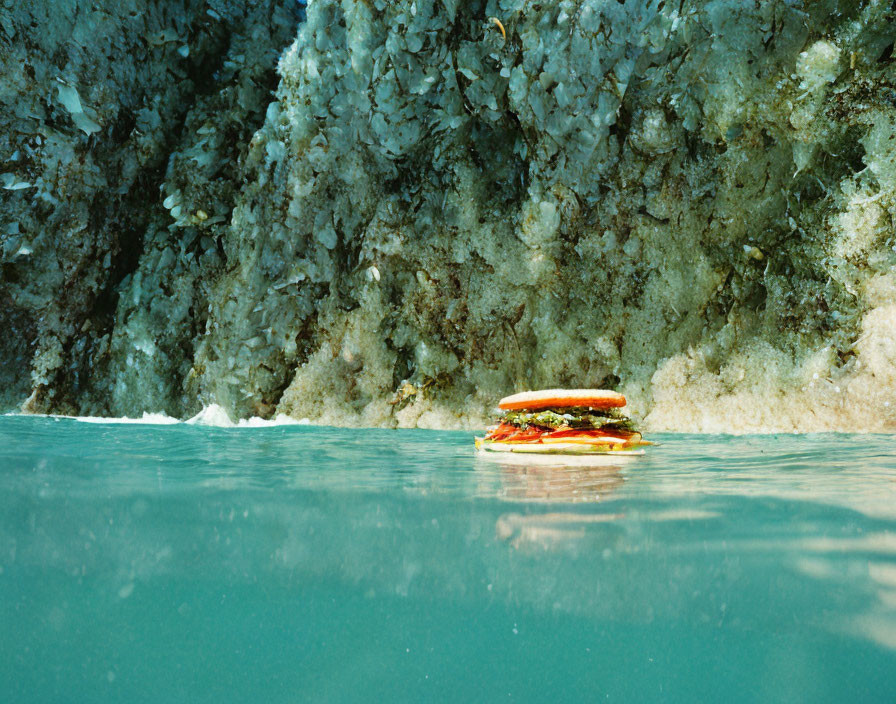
(599, 428)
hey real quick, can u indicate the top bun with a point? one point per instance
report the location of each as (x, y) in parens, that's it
(561, 398)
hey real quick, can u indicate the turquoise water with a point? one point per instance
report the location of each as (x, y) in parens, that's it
(148, 563)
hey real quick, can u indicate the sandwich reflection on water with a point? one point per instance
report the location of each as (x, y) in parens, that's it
(552, 480)
(558, 482)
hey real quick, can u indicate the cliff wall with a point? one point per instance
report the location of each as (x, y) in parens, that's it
(691, 202)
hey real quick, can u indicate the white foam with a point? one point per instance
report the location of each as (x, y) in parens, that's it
(214, 415)
(211, 416)
(147, 419)
(281, 419)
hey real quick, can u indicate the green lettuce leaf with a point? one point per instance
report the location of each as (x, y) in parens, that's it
(560, 418)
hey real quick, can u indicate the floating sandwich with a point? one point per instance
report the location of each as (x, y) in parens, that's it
(564, 421)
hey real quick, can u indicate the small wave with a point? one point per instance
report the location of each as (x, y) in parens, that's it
(147, 419)
(280, 419)
(211, 416)
(214, 415)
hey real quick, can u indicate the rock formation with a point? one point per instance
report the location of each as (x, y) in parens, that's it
(449, 201)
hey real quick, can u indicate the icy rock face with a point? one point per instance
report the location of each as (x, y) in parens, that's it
(95, 98)
(163, 306)
(450, 201)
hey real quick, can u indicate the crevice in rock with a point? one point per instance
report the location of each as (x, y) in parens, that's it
(127, 217)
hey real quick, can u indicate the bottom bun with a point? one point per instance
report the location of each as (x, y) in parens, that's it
(556, 448)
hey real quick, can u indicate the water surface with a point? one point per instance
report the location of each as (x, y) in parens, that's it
(147, 563)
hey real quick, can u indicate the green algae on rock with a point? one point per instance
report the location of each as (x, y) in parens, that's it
(692, 203)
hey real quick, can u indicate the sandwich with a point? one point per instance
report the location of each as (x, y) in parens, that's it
(564, 421)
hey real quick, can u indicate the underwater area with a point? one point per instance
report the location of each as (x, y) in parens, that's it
(283, 563)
